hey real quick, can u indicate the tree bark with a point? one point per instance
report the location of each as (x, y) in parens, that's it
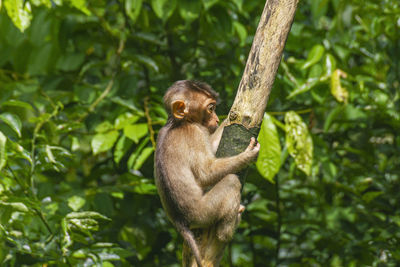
(248, 108)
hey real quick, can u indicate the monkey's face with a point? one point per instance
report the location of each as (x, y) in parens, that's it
(211, 120)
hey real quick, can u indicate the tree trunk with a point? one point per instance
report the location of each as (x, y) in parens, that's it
(248, 108)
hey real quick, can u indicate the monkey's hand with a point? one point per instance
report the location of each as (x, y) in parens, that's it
(253, 149)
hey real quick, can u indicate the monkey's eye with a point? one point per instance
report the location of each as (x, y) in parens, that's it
(211, 108)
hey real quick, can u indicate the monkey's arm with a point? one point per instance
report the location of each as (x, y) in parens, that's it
(216, 136)
(212, 170)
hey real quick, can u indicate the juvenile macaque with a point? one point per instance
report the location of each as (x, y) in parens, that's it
(197, 189)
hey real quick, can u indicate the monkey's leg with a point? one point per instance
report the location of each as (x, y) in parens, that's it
(222, 203)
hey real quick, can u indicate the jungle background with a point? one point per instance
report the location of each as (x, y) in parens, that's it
(81, 86)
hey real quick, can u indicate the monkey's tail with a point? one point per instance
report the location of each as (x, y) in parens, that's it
(187, 234)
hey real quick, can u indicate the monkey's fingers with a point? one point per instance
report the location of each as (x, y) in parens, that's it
(257, 147)
(251, 145)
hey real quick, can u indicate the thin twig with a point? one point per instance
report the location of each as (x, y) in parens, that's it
(302, 111)
(33, 144)
(108, 87)
(38, 212)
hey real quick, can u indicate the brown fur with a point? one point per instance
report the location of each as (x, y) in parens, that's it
(196, 188)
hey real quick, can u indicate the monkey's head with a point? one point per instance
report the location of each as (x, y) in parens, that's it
(192, 102)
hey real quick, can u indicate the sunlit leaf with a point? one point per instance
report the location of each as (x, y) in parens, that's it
(314, 56)
(298, 141)
(142, 157)
(134, 156)
(3, 152)
(145, 189)
(46, 3)
(189, 10)
(304, 87)
(241, 31)
(13, 121)
(80, 5)
(104, 141)
(339, 92)
(103, 127)
(75, 144)
(136, 131)
(16, 206)
(76, 202)
(269, 158)
(17, 103)
(330, 64)
(86, 215)
(163, 8)
(20, 13)
(122, 146)
(132, 8)
(125, 119)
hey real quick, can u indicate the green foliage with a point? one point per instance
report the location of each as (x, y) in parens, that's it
(269, 159)
(81, 85)
(298, 141)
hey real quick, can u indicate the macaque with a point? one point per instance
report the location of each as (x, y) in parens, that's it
(197, 189)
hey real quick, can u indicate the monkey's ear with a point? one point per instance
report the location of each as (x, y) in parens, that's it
(178, 109)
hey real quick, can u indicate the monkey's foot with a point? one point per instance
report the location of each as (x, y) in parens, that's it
(241, 209)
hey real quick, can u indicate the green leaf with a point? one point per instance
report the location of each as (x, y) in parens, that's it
(209, 3)
(122, 146)
(339, 92)
(369, 196)
(46, 3)
(163, 8)
(17, 103)
(135, 131)
(86, 215)
(314, 56)
(16, 206)
(142, 157)
(39, 59)
(128, 104)
(132, 8)
(147, 61)
(269, 159)
(145, 189)
(189, 10)
(330, 64)
(75, 144)
(134, 156)
(318, 9)
(305, 87)
(298, 141)
(103, 127)
(76, 202)
(125, 119)
(3, 152)
(70, 61)
(81, 5)
(13, 121)
(104, 141)
(20, 13)
(241, 31)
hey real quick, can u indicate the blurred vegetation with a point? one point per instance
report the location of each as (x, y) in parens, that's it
(81, 84)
